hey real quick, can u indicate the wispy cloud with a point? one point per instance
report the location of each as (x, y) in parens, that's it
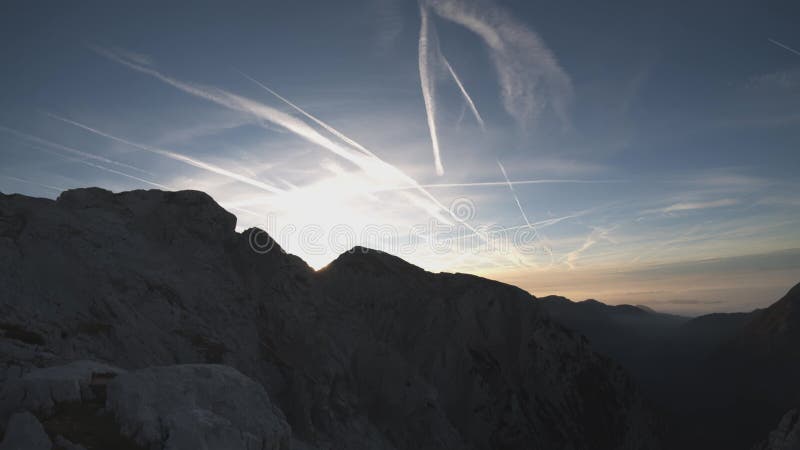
(597, 235)
(428, 52)
(388, 20)
(464, 92)
(690, 206)
(530, 77)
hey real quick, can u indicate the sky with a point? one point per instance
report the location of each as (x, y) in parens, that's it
(633, 152)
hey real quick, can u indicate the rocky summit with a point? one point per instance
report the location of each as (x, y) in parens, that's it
(143, 320)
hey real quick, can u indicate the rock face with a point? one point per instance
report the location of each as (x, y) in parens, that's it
(370, 352)
(189, 407)
(786, 436)
(25, 433)
(41, 390)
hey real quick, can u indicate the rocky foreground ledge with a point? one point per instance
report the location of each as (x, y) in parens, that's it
(142, 320)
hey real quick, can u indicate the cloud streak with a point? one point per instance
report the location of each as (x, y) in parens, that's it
(319, 122)
(428, 53)
(529, 75)
(464, 92)
(372, 166)
(32, 183)
(513, 193)
(70, 150)
(784, 46)
(501, 183)
(175, 156)
(597, 235)
(692, 206)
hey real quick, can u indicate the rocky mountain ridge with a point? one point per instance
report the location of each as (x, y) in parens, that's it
(130, 313)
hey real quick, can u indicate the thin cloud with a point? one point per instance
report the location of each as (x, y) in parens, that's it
(597, 235)
(691, 206)
(529, 74)
(464, 92)
(513, 193)
(428, 52)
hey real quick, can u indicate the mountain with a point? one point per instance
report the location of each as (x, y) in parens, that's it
(144, 320)
(721, 380)
(629, 334)
(772, 336)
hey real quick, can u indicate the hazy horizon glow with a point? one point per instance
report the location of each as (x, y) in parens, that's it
(569, 154)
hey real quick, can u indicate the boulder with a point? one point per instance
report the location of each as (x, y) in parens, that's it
(40, 390)
(195, 407)
(24, 432)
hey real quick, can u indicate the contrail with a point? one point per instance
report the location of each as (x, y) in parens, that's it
(500, 183)
(71, 150)
(236, 103)
(511, 187)
(259, 110)
(319, 122)
(176, 157)
(428, 85)
(127, 175)
(34, 183)
(370, 164)
(784, 46)
(411, 184)
(103, 168)
(464, 93)
(529, 74)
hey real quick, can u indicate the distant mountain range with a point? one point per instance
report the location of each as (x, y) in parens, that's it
(722, 380)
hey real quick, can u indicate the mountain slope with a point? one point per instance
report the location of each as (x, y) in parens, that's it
(721, 380)
(772, 336)
(370, 352)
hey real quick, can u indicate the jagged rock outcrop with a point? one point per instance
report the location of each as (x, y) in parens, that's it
(370, 352)
(40, 390)
(786, 436)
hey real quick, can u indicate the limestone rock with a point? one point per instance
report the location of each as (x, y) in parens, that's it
(786, 436)
(24, 432)
(40, 390)
(192, 407)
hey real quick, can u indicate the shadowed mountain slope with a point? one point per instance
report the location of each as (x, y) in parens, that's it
(721, 380)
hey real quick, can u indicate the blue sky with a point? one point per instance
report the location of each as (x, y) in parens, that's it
(652, 147)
